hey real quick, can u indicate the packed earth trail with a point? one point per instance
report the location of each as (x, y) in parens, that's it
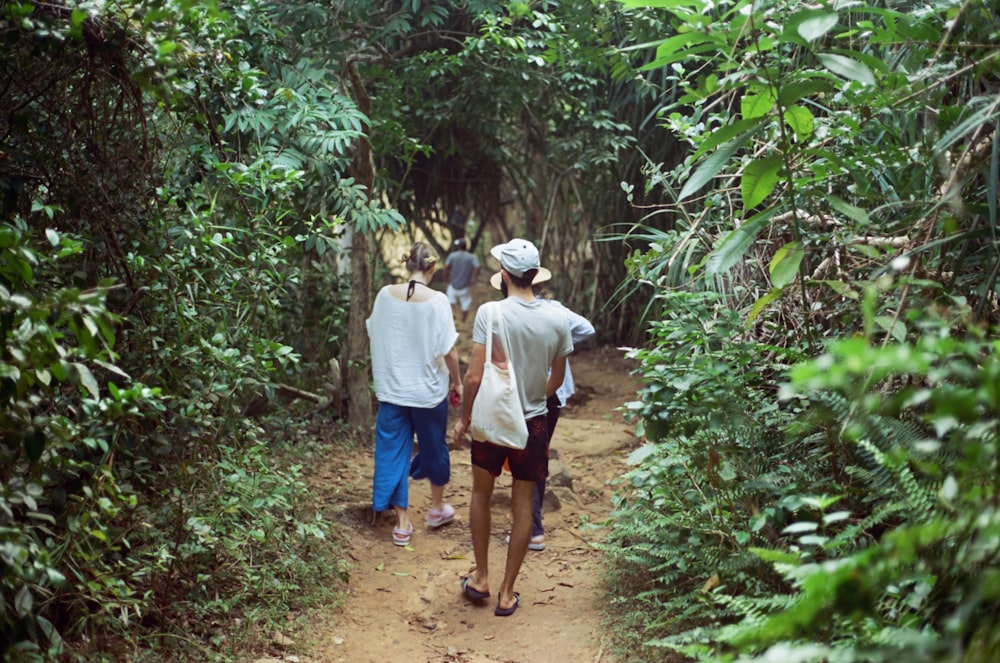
(406, 604)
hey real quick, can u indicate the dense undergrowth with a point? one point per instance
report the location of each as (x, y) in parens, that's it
(850, 516)
(821, 399)
(149, 268)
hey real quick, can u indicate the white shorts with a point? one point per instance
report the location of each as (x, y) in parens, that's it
(461, 296)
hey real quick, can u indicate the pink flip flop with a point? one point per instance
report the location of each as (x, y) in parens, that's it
(400, 536)
(436, 518)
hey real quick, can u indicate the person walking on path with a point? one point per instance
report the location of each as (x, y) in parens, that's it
(412, 386)
(538, 339)
(461, 268)
(580, 329)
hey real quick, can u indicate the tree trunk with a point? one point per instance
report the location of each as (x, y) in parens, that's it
(355, 368)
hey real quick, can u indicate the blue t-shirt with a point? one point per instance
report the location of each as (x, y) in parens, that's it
(461, 265)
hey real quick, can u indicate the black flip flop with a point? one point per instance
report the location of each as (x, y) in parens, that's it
(471, 592)
(507, 612)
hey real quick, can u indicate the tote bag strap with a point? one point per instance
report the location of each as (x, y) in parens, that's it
(489, 333)
(502, 329)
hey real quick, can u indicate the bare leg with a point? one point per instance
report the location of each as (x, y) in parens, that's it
(437, 497)
(522, 497)
(402, 518)
(479, 524)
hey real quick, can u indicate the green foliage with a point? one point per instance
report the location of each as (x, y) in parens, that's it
(827, 213)
(926, 589)
(805, 131)
(715, 478)
(163, 205)
(860, 532)
(59, 428)
(700, 370)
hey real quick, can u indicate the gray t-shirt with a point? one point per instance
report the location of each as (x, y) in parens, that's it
(537, 333)
(461, 264)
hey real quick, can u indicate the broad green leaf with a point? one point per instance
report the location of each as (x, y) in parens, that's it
(641, 453)
(836, 517)
(711, 166)
(867, 250)
(670, 47)
(59, 370)
(52, 236)
(772, 295)
(814, 24)
(757, 105)
(676, 56)
(803, 526)
(111, 367)
(791, 93)
(894, 326)
(87, 379)
(785, 264)
(850, 211)
(949, 489)
(846, 67)
(734, 245)
(740, 130)
(873, 62)
(759, 179)
(166, 47)
(801, 120)
(23, 602)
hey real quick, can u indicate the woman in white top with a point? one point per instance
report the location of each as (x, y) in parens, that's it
(414, 360)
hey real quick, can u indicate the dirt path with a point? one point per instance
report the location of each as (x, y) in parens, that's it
(405, 604)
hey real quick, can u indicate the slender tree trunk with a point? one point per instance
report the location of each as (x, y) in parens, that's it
(355, 369)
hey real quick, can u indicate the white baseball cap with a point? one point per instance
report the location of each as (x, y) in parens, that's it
(517, 256)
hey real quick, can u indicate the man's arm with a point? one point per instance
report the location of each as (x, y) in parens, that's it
(556, 376)
(580, 328)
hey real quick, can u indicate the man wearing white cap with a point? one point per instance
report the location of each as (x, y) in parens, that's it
(539, 340)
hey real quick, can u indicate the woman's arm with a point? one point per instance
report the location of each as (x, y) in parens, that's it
(473, 377)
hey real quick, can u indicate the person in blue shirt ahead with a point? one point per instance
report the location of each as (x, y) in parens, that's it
(460, 271)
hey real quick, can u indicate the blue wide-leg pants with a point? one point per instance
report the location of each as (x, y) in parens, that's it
(395, 427)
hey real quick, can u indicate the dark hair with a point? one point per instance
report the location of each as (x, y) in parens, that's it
(540, 291)
(523, 281)
(420, 258)
(460, 244)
